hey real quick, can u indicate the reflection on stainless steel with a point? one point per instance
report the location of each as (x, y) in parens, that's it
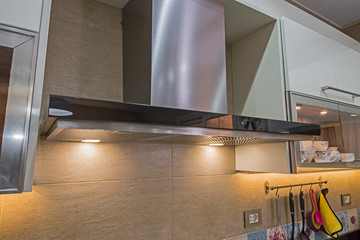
(118, 122)
(174, 54)
(18, 106)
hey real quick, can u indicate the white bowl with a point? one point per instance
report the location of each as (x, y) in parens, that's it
(321, 145)
(322, 157)
(347, 157)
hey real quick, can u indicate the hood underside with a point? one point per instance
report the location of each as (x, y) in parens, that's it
(124, 122)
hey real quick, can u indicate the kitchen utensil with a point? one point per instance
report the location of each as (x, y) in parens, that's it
(279, 232)
(291, 203)
(312, 225)
(331, 224)
(321, 145)
(316, 216)
(347, 157)
(303, 235)
(278, 217)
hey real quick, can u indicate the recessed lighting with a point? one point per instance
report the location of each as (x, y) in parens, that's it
(323, 112)
(354, 115)
(216, 144)
(90, 141)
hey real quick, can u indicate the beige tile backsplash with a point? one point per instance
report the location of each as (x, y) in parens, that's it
(78, 162)
(134, 191)
(196, 160)
(84, 55)
(150, 191)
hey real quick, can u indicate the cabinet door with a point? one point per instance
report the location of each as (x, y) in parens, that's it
(25, 14)
(324, 113)
(350, 125)
(17, 65)
(313, 61)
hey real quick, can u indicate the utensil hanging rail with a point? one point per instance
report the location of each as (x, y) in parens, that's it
(268, 187)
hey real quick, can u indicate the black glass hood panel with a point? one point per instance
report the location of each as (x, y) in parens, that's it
(87, 109)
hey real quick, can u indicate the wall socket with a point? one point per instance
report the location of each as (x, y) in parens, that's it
(252, 218)
(346, 199)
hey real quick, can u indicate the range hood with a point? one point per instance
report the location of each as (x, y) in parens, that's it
(174, 54)
(125, 122)
(174, 59)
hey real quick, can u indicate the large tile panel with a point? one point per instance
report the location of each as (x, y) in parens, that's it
(154, 209)
(195, 160)
(84, 56)
(212, 207)
(136, 209)
(58, 162)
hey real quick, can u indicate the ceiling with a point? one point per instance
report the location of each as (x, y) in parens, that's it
(341, 14)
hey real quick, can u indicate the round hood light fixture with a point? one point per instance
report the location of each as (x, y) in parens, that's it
(59, 107)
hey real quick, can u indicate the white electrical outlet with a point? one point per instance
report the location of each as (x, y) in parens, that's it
(252, 218)
(346, 199)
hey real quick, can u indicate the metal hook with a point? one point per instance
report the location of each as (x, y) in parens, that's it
(277, 193)
(301, 187)
(290, 189)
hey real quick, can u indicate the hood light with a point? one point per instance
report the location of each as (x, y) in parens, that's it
(216, 144)
(59, 107)
(90, 140)
(323, 113)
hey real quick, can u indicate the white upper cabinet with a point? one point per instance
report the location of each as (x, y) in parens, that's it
(256, 74)
(313, 61)
(24, 14)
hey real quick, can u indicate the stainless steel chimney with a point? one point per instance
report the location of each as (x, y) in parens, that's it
(174, 54)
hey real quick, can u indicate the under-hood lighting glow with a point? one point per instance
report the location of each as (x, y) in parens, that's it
(90, 140)
(216, 144)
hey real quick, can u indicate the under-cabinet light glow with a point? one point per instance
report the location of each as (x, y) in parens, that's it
(354, 115)
(216, 144)
(297, 107)
(323, 112)
(90, 141)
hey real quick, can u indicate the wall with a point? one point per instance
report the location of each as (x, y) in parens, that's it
(84, 51)
(135, 191)
(149, 191)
